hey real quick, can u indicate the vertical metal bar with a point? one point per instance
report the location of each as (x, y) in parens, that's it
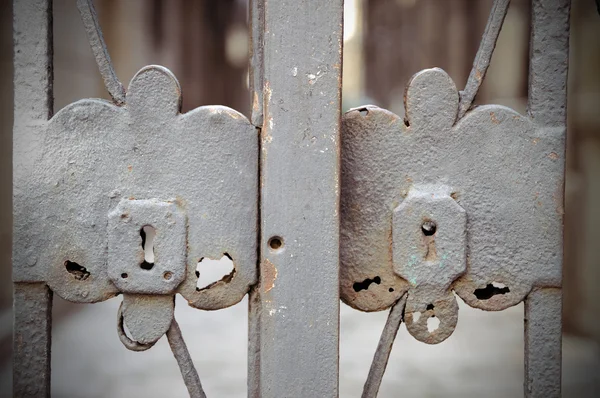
(298, 296)
(257, 18)
(33, 105)
(32, 306)
(547, 106)
(543, 339)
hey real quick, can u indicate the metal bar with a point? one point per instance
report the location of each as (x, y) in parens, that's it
(256, 18)
(92, 27)
(483, 56)
(33, 105)
(547, 107)
(298, 296)
(543, 342)
(32, 306)
(184, 360)
(384, 349)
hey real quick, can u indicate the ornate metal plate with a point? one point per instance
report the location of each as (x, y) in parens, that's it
(402, 178)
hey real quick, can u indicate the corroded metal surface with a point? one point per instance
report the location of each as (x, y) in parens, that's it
(504, 172)
(33, 106)
(547, 107)
(484, 55)
(99, 162)
(296, 352)
(32, 339)
(92, 27)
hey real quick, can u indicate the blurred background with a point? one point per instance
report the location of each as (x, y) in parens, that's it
(205, 43)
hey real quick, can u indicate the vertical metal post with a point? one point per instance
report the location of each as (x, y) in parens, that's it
(31, 342)
(33, 107)
(298, 297)
(547, 106)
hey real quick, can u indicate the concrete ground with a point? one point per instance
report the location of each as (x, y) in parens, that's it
(483, 358)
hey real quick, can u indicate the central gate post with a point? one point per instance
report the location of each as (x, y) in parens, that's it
(294, 312)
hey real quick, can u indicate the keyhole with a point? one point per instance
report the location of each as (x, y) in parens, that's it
(148, 233)
(428, 228)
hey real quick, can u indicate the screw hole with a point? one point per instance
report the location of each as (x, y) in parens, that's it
(124, 275)
(167, 275)
(275, 243)
(428, 228)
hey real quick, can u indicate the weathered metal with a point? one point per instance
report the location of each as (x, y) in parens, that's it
(547, 108)
(514, 212)
(441, 202)
(449, 200)
(184, 360)
(105, 171)
(92, 27)
(33, 106)
(90, 180)
(296, 352)
(484, 55)
(384, 349)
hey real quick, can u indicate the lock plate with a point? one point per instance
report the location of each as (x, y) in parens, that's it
(127, 267)
(95, 157)
(505, 172)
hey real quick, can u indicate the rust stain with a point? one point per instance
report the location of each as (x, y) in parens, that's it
(269, 275)
(558, 198)
(478, 75)
(494, 118)
(535, 141)
(553, 155)
(130, 168)
(255, 102)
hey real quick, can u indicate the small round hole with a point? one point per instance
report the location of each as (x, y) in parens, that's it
(428, 228)
(391, 289)
(124, 275)
(167, 275)
(275, 243)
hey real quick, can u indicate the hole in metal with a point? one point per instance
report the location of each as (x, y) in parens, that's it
(211, 271)
(364, 285)
(80, 273)
(391, 289)
(124, 275)
(433, 324)
(416, 317)
(428, 228)
(364, 111)
(148, 233)
(430, 307)
(491, 290)
(275, 243)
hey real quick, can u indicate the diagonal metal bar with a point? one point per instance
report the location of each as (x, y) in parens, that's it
(384, 349)
(92, 27)
(184, 360)
(484, 55)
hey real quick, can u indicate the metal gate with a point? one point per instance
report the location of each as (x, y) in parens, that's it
(379, 211)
